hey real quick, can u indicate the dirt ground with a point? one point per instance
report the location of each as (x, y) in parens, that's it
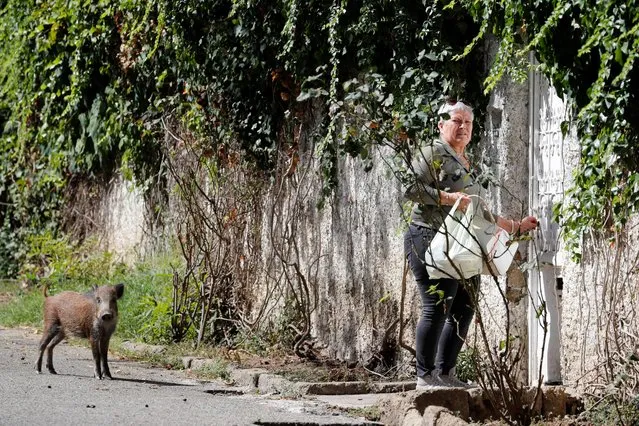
(318, 370)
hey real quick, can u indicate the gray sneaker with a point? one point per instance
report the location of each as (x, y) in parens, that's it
(429, 382)
(451, 381)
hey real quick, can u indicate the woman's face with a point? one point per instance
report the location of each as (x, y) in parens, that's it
(458, 129)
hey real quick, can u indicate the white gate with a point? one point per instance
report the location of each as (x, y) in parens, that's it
(547, 170)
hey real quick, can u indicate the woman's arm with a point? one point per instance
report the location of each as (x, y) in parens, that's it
(433, 165)
(424, 189)
(450, 198)
(517, 227)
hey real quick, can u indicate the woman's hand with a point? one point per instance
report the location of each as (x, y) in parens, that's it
(450, 198)
(527, 223)
(514, 227)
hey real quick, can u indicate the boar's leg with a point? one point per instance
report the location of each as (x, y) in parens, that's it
(49, 333)
(104, 349)
(97, 370)
(56, 339)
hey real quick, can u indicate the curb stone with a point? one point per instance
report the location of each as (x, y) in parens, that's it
(440, 416)
(275, 384)
(399, 403)
(247, 376)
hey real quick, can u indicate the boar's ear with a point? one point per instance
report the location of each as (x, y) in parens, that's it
(94, 287)
(119, 290)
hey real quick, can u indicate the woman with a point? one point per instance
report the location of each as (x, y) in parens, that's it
(444, 175)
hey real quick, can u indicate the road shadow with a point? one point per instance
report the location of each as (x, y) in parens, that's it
(149, 382)
(120, 379)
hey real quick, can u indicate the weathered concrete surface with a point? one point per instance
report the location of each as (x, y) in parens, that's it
(503, 152)
(472, 405)
(123, 215)
(395, 407)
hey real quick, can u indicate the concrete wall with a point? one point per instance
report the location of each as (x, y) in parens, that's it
(360, 275)
(123, 218)
(352, 251)
(504, 152)
(600, 310)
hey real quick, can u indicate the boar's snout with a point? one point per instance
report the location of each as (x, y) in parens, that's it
(107, 316)
(107, 311)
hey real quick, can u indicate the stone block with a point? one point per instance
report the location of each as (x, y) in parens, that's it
(479, 405)
(440, 416)
(143, 348)
(246, 376)
(456, 400)
(274, 384)
(413, 418)
(394, 408)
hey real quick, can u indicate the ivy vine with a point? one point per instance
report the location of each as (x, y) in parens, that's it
(588, 50)
(84, 85)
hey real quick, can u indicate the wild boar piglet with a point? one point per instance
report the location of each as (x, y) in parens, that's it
(92, 316)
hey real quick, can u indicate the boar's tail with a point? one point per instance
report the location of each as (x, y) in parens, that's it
(44, 290)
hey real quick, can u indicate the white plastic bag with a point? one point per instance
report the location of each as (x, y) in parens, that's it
(454, 252)
(498, 249)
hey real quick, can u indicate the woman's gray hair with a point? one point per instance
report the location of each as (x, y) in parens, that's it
(448, 108)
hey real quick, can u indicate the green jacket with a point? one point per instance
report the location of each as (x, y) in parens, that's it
(437, 168)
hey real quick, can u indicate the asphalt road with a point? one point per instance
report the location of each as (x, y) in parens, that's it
(139, 395)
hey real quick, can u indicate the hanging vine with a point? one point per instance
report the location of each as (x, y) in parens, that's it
(588, 50)
(84, 86)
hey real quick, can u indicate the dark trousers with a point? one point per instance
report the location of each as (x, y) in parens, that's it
(447, 308)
